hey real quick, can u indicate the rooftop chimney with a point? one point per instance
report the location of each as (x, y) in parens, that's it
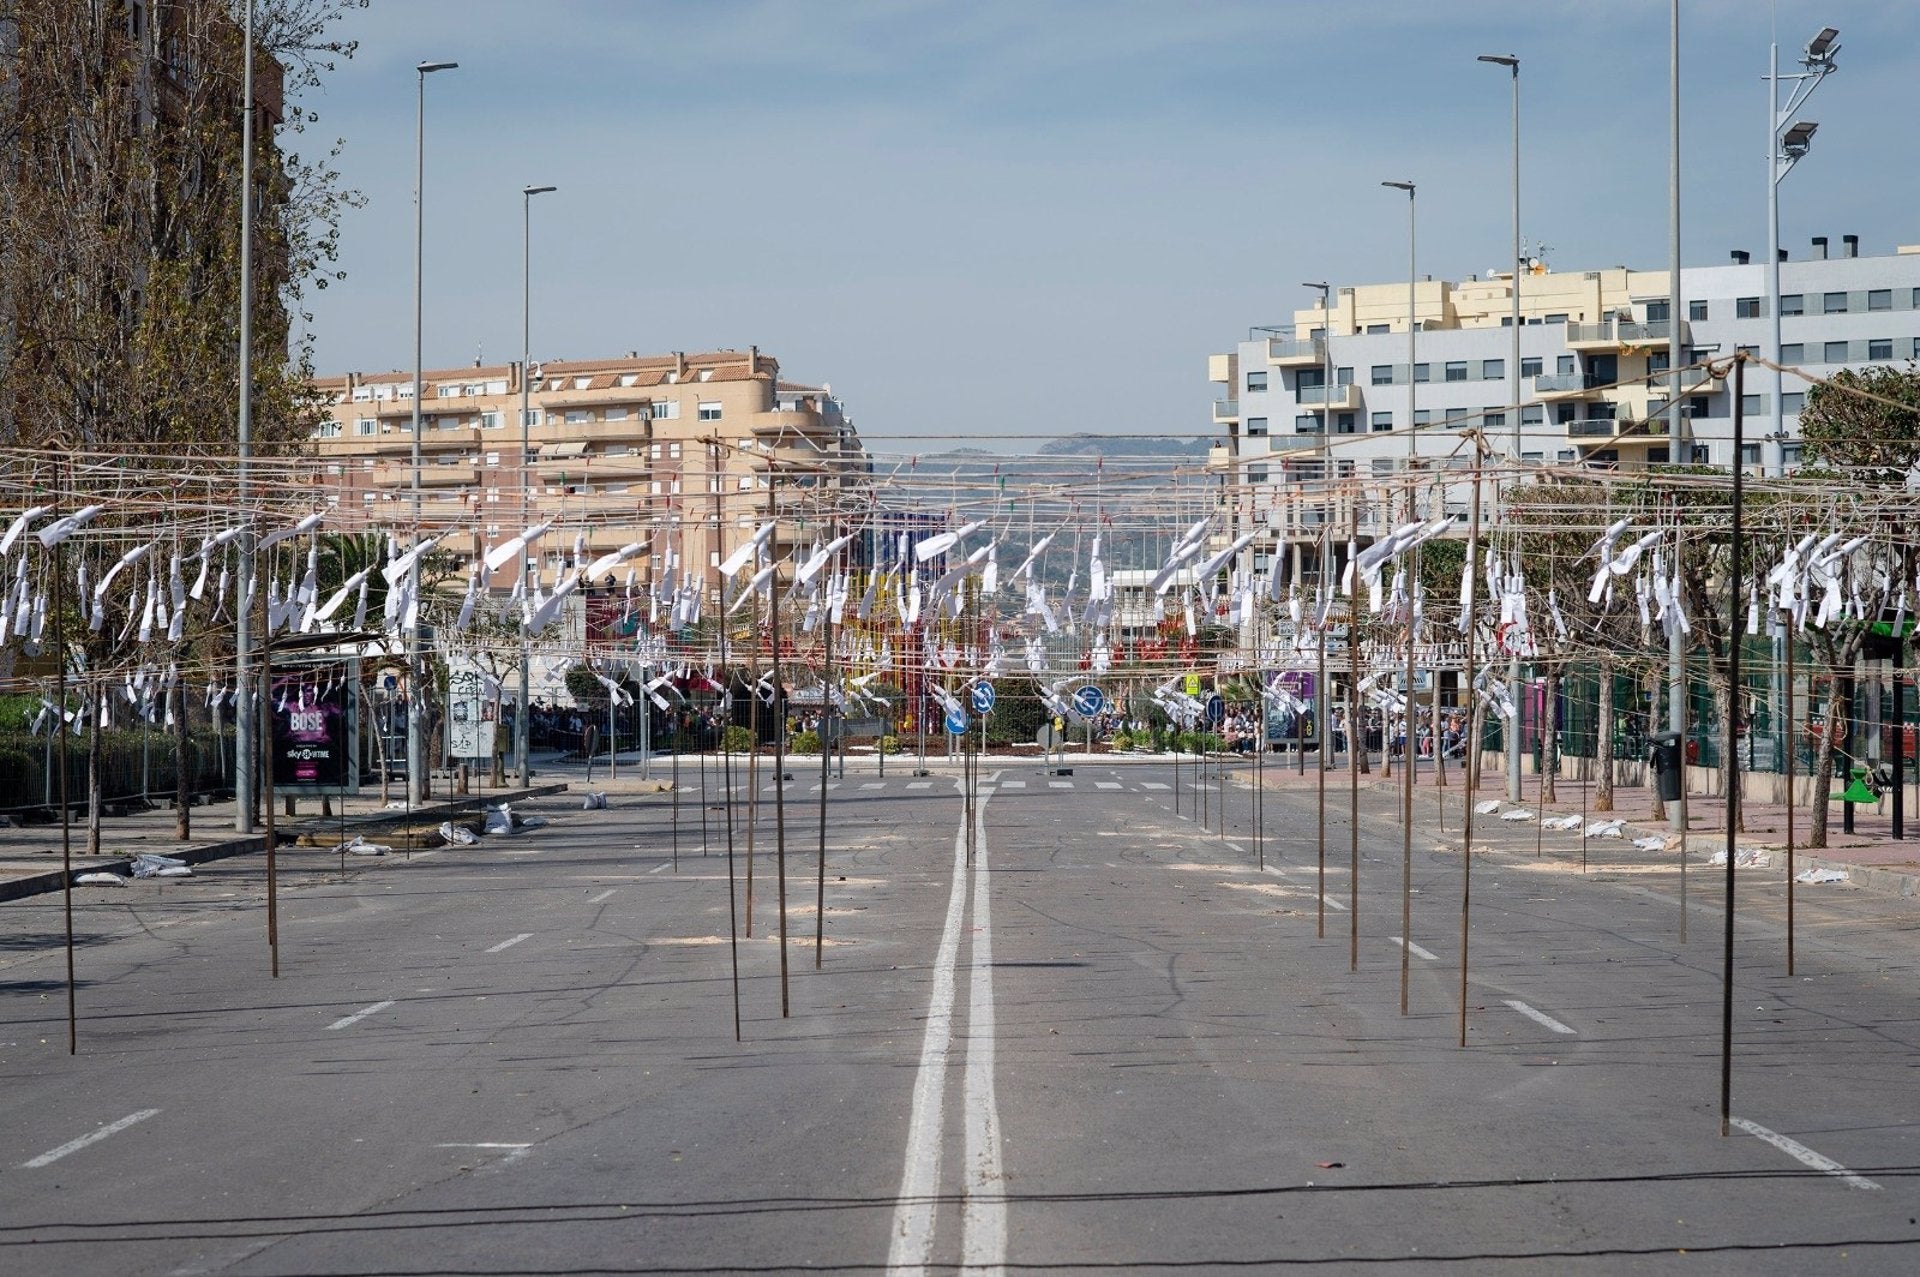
(1741, 257)
(1852, 243)
(753, 360)
(1820, 248)
(679, 363)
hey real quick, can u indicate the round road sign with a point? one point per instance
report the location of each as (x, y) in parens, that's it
(1216, 708)
(956, 721)
(1088, 700)
(982, 698)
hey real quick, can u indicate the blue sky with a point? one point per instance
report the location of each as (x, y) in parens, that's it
(994, 221)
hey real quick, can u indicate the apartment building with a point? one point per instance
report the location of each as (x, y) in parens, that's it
(672, 449)
(1328, 393)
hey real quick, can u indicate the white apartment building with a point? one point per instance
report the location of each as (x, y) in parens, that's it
(1593, 354)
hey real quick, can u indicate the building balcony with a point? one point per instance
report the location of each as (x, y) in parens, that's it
(1225, 410)
(1316, 398)
(1618, 334)
(1284, 352)
(431, 476)
(1568, 385)
(1596, 427)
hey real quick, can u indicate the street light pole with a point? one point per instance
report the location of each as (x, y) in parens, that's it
(1326, 475)
(1787, 142)
(1413, 326)
(522, 728)
(243, 720)
(1512, 63)
(416, 746)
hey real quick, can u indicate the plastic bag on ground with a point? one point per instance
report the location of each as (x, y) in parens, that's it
(595, 801)
(457, 835)
(359, 846)
(149, 865)
(99, 880)
(498, 820)
(1747, 858)
(1518, 813)
(1817, 877)
(1561, 823)
(1488, 807)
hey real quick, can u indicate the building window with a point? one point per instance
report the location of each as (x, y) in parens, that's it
(366, 426)
(1456, 418)
(1659, 311)
(489, 421)
(328, 430)
(1749, 454)
(616, 414)
(1256, 474)
(1793, 304)
(1560, 318)
(1306, 423)
(1383, 374)
(1381, 421)
(1880, 348)
(1256, 382)
(1530, 366)
(1456, 370)
(1833, 303)
(1699, 406)
(1836, 352)
(1423, 416)
(1343, 376)
(1656, 456)
(1494, 418)
(1344, 423)
(1422, 373)
(1493, 369)
(578, 416)
(664, 410)
(532, 417)
(1658, 361)
(1533, 415)
(1753, 405)
(1697, 311)
(709, 412)
(1565, 365)
(673, 451)
(1792, 454)
(1880, 299)
(1375, 329)
(1746, 308)
(1793, 352)
(1746, 350)
(1792, 401)
(1563, 413)
(1256, 426)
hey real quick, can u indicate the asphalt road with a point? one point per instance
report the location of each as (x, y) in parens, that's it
(1092, 1036)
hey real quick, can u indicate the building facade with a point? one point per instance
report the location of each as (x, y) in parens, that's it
(673, 450)
(1328, 394)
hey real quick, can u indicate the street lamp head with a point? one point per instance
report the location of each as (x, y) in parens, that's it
(1500, 59)
(1400, 186)
(1799, 138)
(1322, 286)
(538, 190)
(427, 68)
(1822, 47)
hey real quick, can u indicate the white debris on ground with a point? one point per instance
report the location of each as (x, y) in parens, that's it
(1652, 842)
(595, 801)
(504, 820)
(1561, 823)
(149, 865)
(99, 880)
(1745, 858)
(1488, 807)
(1605, 828)
(457, 835)
(1819, 877)
(1518, 813)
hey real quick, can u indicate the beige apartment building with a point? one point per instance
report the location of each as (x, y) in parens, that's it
(671, 449)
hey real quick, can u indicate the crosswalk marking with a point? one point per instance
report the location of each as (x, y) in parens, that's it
(1108, 784)
(873, 784)
(1059, 784)
(919, 784)
(1013, 784)
(1153, 784)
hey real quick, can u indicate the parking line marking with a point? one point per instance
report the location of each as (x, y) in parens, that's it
(1800, 1152)
(508, 944)
(51, 1156)
(348, 1021)
(1418, 952)
(602, 896)
(1539, 1017)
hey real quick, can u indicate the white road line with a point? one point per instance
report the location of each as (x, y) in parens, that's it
(1013, 784)
(1799, 1152)
(348, 1021)
(508, 944)
(1108, 784)
(602, 896)
(1059, 784)
(657, 869)
(1538, 1017)
(1333, 902)
(1237, 847)
(514, 1152)
(911, 1247)
(919, 784)
(1153, 784)
(1418, 952)
(51, 1156)
(983, 1211)
(873, 784)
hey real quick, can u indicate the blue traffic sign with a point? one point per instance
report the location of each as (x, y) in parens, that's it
(1216, 708)
(982, 698)
(1088, 700)
(956, 721)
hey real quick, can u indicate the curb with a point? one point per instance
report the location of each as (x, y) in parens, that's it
(53, 880)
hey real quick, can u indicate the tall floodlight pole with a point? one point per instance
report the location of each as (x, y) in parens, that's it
(1413, 324)
(1512, 63)
(1787, 143)
(243, 733)
(416, 676)
(522, 728)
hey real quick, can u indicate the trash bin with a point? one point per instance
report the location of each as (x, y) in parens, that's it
(1665, 757)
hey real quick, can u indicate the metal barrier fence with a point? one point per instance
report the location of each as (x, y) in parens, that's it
(135, 765)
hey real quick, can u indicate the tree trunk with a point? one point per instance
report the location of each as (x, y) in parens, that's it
(1603, 739)
(182, 766)
(1549, 740)
(1722, 696)
(96, 779)
(1823, 764)
(1658, 809)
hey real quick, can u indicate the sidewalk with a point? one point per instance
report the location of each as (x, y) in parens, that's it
(1870, 856)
